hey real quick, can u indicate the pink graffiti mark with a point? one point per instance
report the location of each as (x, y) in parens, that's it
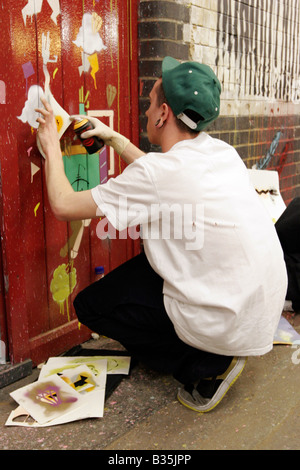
(28, 70)
(51, 396)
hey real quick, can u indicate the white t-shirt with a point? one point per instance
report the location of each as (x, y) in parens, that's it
(206, 233)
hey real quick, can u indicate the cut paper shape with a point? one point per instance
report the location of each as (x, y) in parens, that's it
(47, 399)
(285, 333)
(62, 117)
(34, 169)
(88, 38)
(63, 120)
(29, 114)
(62, 285)
(20, 417)
(2, 92)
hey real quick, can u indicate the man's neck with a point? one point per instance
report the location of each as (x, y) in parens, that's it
(169, 139)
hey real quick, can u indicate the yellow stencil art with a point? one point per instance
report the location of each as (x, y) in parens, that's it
(93, 60)
(96, 22)
(59, 122)
(111, 93)
(62, 285)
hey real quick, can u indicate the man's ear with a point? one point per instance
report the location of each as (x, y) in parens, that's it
(164, 114)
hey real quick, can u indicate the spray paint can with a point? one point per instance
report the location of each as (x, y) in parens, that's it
(92, 144)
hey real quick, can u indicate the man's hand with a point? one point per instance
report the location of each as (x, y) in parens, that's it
(108, 135)
(66, 204)
(128, 151)
(47, 131)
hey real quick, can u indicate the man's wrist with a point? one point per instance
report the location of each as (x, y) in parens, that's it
(119, 142)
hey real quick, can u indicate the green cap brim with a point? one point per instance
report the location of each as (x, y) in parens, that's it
(169, 63)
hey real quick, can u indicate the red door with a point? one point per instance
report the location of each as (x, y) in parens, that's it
(86, 52)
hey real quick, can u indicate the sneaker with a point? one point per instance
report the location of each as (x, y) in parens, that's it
(209, 392)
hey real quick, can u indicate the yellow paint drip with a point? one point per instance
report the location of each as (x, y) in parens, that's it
(36, 208)
(62, 285)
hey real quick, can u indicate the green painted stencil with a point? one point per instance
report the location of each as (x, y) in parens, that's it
(82, 171)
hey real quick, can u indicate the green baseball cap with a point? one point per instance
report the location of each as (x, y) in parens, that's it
(191, 87)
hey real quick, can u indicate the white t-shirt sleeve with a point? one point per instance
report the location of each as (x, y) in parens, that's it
(128, 199)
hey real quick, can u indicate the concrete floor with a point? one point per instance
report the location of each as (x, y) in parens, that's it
(260, 412)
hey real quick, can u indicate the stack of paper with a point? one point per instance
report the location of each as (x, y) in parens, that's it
(68, 389)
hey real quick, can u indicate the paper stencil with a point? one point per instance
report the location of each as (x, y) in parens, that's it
(115, 364)
(58, 365)
(77, 382)
(80, 379)
(48, 399)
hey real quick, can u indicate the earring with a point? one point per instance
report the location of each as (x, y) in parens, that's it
(156, 124)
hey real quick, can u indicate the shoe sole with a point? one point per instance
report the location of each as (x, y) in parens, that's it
(221, 392)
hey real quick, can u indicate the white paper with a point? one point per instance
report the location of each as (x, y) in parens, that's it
(48, 399)
(115, 364)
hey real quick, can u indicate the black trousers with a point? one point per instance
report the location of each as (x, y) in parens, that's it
(127, 306)
(288, 230)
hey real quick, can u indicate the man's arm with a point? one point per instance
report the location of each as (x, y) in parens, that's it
(66, 204)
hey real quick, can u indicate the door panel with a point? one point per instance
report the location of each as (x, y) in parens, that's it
(88, 52)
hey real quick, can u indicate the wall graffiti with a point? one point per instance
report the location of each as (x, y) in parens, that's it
(264, 162)
(262, 41)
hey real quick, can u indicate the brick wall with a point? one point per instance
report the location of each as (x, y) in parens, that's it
(254, 48)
